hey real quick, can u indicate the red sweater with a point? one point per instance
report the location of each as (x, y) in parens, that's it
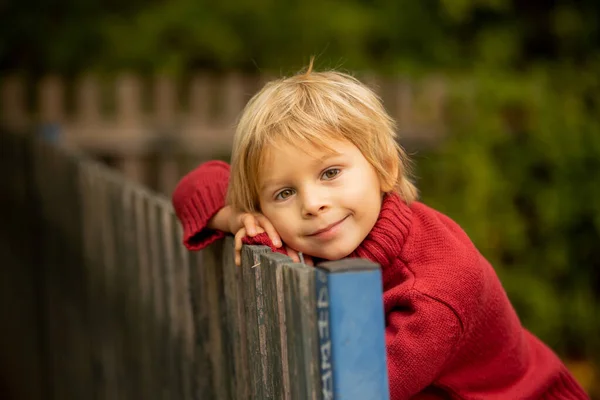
(451, 331)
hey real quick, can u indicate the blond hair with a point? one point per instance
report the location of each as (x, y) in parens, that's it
(315, 108)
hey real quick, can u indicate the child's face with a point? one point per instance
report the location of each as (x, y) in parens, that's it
(322, 204)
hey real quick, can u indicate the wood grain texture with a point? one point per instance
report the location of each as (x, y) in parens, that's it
(235, 346)
(254, 310)
(276, 355)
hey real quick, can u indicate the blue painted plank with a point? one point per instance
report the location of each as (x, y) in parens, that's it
(350, 322)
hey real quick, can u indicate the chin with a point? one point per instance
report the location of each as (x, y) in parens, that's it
(335, 255)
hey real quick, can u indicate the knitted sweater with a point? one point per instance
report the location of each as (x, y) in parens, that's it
(451, 331)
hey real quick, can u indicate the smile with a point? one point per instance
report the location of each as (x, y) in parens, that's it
(329, 229)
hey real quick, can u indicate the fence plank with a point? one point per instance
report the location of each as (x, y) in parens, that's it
(276, 349)
(298, 281)
(184, 308)
(51, 293)
(157, 305)
(75, 276)
(254, 307)
(108, 286)
(130, 286)
(143, 306)
(351, 330)
(171, 327)
(22, 353)
(91, 264)
(236, 347)
(203, 367)
(215, 302)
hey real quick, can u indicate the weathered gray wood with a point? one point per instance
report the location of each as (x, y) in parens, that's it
(185, 313)
(202, 366)
(276, 348)
(236, 347)
(109, 341)
(121, 286)
(215, 302)
(89, 302)
(143, 309)
(310, 340)
(283, 335)
(129, 286)
(157, 305)
(54, 313)
(76, 277)
(21, 353)
(294, 353)
(298, 283)
(255, 328)
(170, 325)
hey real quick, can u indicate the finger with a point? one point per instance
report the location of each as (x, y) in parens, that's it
(249, 222)
(270, 229)
(293, 254)
(238, 246)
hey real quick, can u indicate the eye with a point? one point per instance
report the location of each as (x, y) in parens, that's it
(330, 173)
(284, 194)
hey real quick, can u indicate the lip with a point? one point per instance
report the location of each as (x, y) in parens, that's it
(328, 228)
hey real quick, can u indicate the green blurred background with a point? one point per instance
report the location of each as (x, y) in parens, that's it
(518, 166)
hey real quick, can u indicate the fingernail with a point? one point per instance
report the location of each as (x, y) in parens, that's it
(276, 243)
(251, 232)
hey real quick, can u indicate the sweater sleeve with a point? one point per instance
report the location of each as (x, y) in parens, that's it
(422, 334)
(197, 198)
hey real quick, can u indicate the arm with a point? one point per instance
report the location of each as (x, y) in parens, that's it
(199, 202)
(421, 337)
(197, 199)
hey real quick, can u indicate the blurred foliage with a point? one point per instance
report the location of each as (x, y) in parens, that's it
(519, 172)
(176, 36)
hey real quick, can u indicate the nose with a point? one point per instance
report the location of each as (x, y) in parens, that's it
(313, 204)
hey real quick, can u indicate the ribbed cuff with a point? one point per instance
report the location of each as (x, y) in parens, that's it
(196, 213)
(197, 198)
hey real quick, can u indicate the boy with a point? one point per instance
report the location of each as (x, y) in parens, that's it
(316, 169)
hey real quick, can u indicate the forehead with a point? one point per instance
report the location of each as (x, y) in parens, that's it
(279, 152)
(280, 161)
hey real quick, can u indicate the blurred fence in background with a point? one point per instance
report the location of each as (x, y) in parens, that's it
(101, 300)
(130, 118)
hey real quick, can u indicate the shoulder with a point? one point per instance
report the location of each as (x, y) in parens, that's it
(205, 176)
(206, 170)
(445, 263)
(435, 238)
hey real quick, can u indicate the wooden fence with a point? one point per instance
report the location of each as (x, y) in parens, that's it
(101, 300)
(141, 125)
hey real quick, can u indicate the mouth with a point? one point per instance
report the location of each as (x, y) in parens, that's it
(327, 228)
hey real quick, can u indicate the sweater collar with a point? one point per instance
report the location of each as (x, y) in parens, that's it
(385, 241)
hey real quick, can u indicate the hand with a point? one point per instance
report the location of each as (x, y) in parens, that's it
(251, 224)
(227, 219)
(295, 256)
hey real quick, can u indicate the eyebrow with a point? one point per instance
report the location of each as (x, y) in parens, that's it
(275, 182)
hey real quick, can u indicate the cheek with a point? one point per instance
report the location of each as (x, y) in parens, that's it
(280, 220)
(360, 194)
